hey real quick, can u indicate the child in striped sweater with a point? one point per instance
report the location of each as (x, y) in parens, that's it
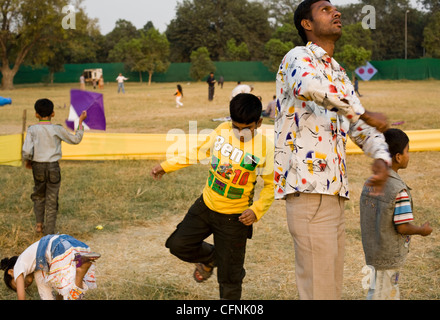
(386, 223)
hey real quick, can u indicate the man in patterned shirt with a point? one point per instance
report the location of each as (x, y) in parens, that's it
(317, 109)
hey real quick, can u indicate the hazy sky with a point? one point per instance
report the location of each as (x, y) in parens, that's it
(139, 12)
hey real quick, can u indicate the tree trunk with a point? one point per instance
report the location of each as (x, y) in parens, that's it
(8, 78)
(150, 75)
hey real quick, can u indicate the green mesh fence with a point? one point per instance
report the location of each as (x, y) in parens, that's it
(413, 69)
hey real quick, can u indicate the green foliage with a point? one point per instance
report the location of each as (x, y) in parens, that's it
(356, 36)
(76, 46)
(147, 53)
(287, 33)
(431, 34)
(281, 11)
(276, 50)
(236, 53)
(352, 57)
(27, 29)
(31, 33)
(201, 64)
(210, 24)
(389, 35)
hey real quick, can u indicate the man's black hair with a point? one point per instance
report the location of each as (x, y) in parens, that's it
(397, 141)
(304, 11)
(245, 108)
(44, 107)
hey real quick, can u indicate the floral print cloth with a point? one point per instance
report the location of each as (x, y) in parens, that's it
(317, 110)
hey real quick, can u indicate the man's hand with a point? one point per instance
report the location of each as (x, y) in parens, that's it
(248, 217)
(376, 119)
(379, 178)
(157, 172)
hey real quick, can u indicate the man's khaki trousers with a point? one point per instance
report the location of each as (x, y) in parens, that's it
(317, 225)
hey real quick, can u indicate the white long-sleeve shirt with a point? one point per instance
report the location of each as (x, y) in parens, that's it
(43, 141)
(317, 110)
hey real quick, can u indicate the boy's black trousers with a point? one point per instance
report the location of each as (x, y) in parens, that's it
(228, 252)
(47, 181)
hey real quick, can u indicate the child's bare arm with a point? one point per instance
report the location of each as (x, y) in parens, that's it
(410, 229)
(21, 293)
(82, 117)
(157, 172)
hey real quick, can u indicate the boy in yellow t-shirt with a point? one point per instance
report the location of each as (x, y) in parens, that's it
(238, 155)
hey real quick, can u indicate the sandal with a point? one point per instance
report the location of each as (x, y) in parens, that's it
(86, 257)
(200, 274)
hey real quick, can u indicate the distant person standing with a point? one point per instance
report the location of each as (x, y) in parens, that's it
(101, 82)
(211, 86)
(82, 82)
(120, 79)
(356, 86)
(179, 96)
(221, 81)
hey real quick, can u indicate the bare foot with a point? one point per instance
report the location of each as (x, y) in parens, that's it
(39, 227)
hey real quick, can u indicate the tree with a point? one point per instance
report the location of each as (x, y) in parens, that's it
(147, 53)
(211, 23)
(288, 33)
(201, 64)
(236, 53)
(356, 36)
(77, 46)
(157, 51)
(431, 36)
(430, 5)
(389, 35)
(281, 11)
(27, 29)
(123, 30)
(352, 57)
(275, 51)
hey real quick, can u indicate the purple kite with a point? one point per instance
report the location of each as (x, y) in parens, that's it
(93, 103)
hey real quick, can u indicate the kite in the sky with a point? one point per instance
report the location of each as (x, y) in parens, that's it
(91, 102)
(366, 72)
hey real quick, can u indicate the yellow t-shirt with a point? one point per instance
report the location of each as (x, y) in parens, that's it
(233, 170)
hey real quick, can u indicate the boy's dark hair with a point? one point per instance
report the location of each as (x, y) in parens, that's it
(397, 141)
(304, 11)
(245, 108)
(44, 107)
(5, 265)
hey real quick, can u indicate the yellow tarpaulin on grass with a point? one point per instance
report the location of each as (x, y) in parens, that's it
(116, 146)
(10, 150)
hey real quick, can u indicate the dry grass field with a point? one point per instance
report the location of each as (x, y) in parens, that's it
(138, 213)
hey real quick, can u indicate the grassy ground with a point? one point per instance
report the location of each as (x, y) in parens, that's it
(138, 213)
